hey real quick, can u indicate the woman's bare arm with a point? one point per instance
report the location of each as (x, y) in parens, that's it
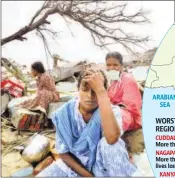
(109, 124)
(75, 165)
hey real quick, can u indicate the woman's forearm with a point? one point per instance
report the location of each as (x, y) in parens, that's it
(110, 126)
(75, 165)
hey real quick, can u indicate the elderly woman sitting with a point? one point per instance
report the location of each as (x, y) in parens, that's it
(46, 90)
(88, 131)
(30, 114)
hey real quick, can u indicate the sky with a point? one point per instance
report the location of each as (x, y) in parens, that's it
(79, 46)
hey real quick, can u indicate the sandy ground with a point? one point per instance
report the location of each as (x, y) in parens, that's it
(11, 158)
(13, 161)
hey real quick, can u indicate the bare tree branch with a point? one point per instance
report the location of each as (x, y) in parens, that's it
(103, 22)
(53, 33)
(38, 12)
(68, 26)
(44, 41)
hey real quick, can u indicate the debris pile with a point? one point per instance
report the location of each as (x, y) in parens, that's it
(19, 158)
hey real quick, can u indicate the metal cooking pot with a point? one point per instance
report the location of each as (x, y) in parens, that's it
(37, 149)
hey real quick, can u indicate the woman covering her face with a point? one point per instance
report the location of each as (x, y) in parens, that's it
(124, 91)
(88, 130)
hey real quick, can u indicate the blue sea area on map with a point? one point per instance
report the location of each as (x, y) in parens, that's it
(151, 110)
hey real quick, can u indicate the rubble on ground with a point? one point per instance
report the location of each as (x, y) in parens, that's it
(12, 160)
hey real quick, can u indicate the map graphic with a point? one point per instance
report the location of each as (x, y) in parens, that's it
(158, 110)
(162, 70)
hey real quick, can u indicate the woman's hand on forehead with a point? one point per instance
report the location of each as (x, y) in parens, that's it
(93, 72)
(95, 80)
